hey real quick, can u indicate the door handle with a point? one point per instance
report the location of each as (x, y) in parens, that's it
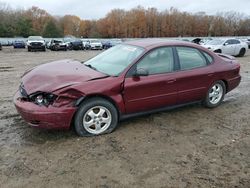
(171, 81)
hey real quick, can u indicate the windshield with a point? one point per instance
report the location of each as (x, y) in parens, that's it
(113, 61)
(95, 41)
(215, 42)
(35, 38)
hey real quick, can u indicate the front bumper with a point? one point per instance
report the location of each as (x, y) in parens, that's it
(19, 46)
(44, 117)
(96, 47)
(36, 47)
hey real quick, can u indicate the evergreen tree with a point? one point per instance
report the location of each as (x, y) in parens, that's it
(51, 30)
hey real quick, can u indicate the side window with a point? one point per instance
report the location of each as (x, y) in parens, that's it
(158, 61)
(209, 58)
(230, 42)
(190, 58)
(236, 42)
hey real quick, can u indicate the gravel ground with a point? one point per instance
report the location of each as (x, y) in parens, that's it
(186, 147)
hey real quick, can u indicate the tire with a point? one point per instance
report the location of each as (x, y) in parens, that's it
(215, 94)
(95, 116)
(29, 49)
(242, 52)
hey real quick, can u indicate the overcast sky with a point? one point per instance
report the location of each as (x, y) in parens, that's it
(94, 9)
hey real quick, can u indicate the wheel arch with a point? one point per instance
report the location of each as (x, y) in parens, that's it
(226, 84)
(80, 100)
(218, 50)
(109, 99)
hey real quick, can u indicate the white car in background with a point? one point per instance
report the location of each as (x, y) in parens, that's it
(84, 42)
(35, 43)
(93, 44)
(230, 46)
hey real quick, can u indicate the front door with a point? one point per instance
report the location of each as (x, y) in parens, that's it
(157, 89)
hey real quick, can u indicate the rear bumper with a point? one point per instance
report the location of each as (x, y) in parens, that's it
(233, 83)
(44, 117)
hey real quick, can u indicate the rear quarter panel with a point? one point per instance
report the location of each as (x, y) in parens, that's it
(227, 70)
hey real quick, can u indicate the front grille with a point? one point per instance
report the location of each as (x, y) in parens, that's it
(36, 44)
(23, 91)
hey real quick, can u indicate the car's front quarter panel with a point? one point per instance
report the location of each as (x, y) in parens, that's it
(109, 88)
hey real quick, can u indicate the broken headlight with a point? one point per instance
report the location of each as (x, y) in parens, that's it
(43, 99)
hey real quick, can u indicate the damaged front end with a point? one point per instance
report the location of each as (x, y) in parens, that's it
(50, 110)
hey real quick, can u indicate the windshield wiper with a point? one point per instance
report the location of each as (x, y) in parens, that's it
(90, 66)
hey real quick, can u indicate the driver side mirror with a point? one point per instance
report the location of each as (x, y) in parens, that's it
(140, 72)
(226, 43)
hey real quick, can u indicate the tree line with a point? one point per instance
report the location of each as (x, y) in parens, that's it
(118, 23)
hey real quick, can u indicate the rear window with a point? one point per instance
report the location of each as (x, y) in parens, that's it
(209, 57)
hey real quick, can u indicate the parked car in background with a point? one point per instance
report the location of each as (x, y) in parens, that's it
(84, 42)
(196, 40)
(107, 44)
(116, 41)
(6, 43)
(229, 46)
(205, 40)
(47, 44)
(93, 44)
(110, 43)
(58, 45)
(35, 43)
(19, 44)
(75, 45)
(135, 78)
(246, 41)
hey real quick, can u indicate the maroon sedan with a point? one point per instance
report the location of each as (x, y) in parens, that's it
(130, 79)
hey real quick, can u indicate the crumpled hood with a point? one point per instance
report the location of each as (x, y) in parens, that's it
(56, 75)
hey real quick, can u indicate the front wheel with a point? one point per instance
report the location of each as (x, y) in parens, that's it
(215, 94)
(95, 116)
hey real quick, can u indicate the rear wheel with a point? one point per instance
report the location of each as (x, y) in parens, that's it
(215, 94)
(242, 52)
(95, 116)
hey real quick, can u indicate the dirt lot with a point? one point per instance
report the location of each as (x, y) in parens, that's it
(187, 147)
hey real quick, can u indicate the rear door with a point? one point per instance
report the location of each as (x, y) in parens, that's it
(155, 90)
(195, 74)
(229, 47)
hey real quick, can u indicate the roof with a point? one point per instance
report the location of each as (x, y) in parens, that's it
(154, 42)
